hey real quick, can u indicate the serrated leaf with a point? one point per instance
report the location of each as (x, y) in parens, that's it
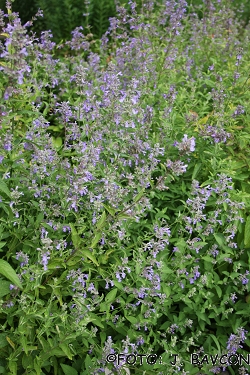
(56, 351)
(110, 209)
(196, 170)
(44, 343)
(90, 256)
(103, 259)
(3, 341)
(96, 239)
(5, 288)
(110, 297)
(247, 233)
(124, 216)
(207, 258)
(57, 142)
(97, 321)
(66, 350)
(103, 307)
(101, 221)
(103, 336)
(218, 290)
(74, 260)
(23, 341)
(4, 188)
(56, 263)
(139, 195)
(76, 239)
(131, 319)
(220, 239)
(39, 219)
(88, 362)
(7, 271)
(167, 270)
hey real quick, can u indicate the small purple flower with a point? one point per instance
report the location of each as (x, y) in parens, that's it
(229, 260)
(172, 328)
(9, 304)
(234, 341)
(244, 281)
(44, 261)
(140, 341)
(177, 167)
(187, 144)
(233, 297)
(24, 258)
(239, 111)
(236, 75)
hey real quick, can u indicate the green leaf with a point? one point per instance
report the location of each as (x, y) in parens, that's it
(207, 258)
(103, 307)
(110, 297)
(5, 288)
(57, 142)
(103, 336)
(39, 219)
(76, 239)
(247, 233)
(167, 270)
(96, 239)
(23, 342)
(101, 221)
(88, 361)
(218, 290)
(66, 350)
(7, 271)
(248, 299)
(131, 319)
(68, 370)
(196, 170)
(44, 344)
(3, 341)
(139, 195)
(13, 366)
(124, 216)
(56, 263)
(4, 188)
(110, 209)
(90, 256)
(95, 320)
(220, 239)
(74, 260)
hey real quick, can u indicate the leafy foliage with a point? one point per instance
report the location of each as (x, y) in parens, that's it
(124, 194)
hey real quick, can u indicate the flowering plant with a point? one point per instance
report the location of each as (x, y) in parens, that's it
(124, 224)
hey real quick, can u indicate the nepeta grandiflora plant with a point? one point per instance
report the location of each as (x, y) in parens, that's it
(120, 215)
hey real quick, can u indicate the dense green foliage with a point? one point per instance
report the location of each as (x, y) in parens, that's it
(124, 194)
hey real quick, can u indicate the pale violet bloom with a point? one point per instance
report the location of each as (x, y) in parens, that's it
(187, 144)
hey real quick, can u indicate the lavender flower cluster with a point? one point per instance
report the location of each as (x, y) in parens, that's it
(96, 251)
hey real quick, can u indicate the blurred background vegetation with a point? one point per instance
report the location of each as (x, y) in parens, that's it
(63, 16)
